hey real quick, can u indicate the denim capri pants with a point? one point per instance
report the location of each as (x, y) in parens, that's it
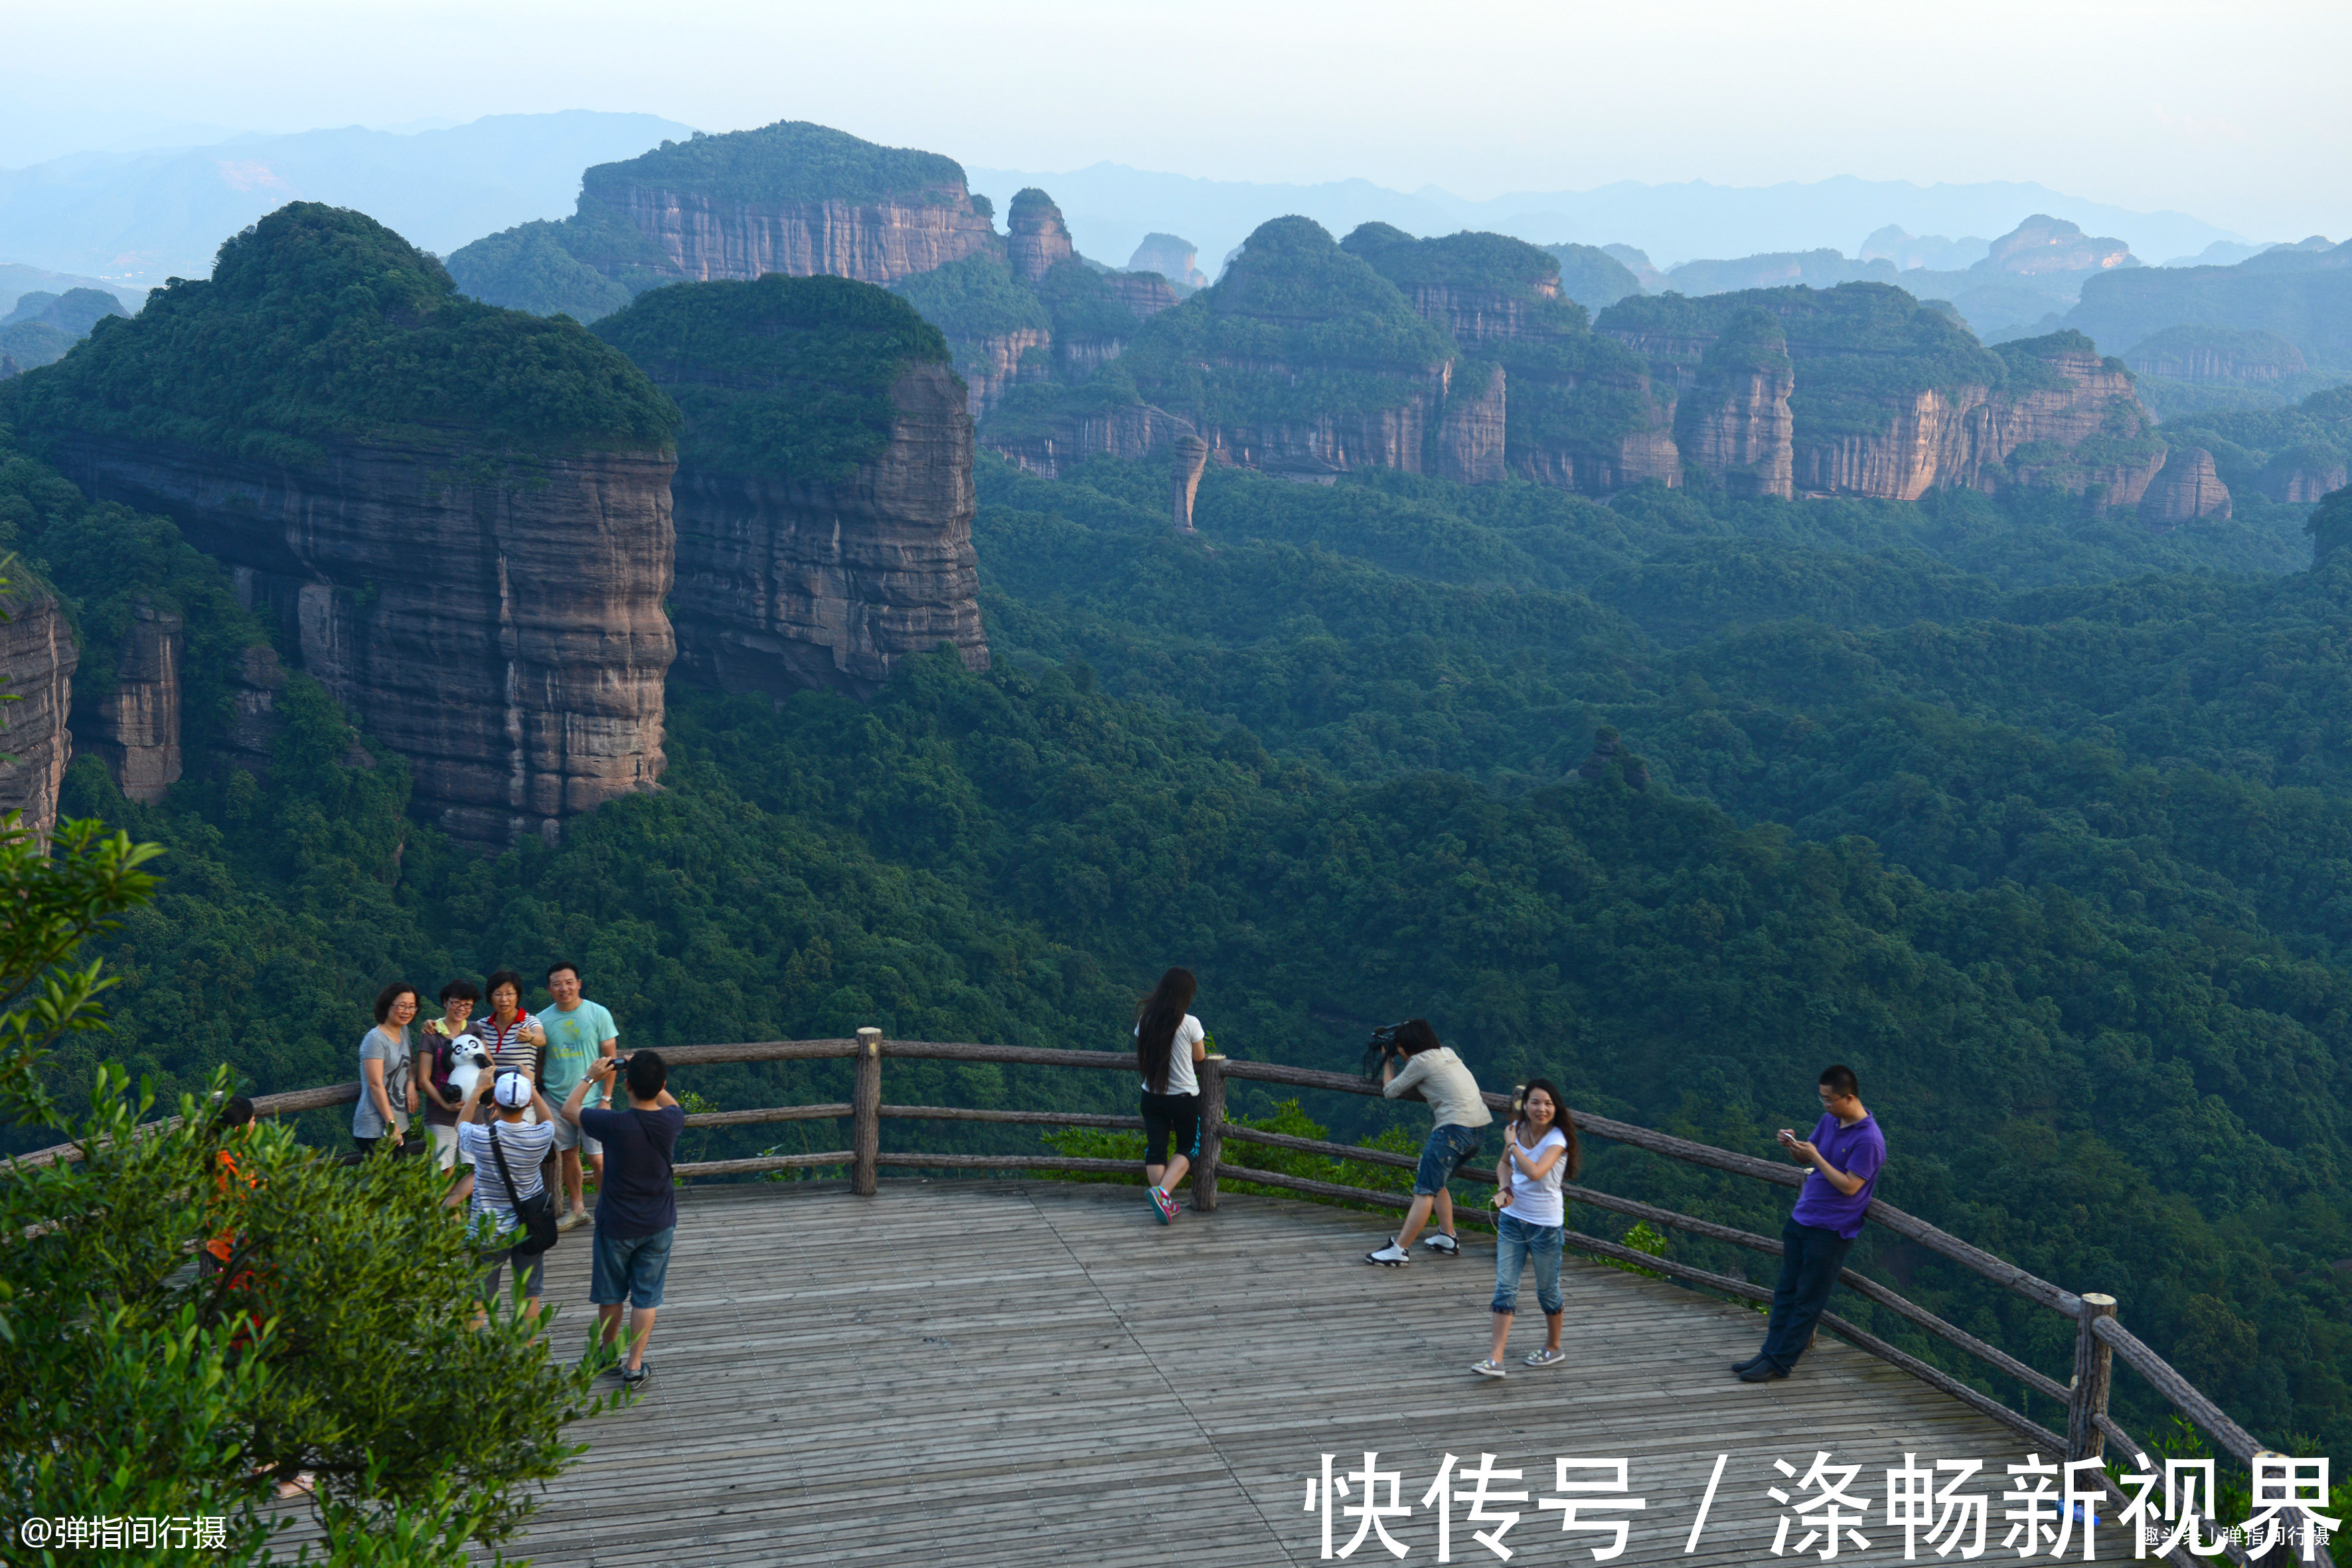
(1516, 1244)
(1448, 1146)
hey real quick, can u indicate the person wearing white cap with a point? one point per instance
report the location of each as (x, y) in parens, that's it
(525, 1145)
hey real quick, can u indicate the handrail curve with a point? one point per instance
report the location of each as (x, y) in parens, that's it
(2099, 1334)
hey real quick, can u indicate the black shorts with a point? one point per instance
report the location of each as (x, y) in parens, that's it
(1166, 1115)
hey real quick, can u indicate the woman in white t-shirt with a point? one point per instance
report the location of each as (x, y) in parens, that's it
(1538, 1153)
(1168, 1041)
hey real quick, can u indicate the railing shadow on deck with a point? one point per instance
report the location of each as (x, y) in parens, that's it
(2100, 1337)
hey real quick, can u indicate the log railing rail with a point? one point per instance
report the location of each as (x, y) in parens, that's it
(2101, 1339)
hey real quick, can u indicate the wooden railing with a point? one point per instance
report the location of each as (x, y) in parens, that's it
(2100, 1338)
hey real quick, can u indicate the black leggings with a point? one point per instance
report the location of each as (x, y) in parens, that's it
(1171, 1114)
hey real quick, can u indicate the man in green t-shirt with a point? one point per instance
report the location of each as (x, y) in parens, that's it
(578, 1032)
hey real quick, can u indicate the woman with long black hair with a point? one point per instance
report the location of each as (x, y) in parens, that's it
(1168, 1041)
(1539, 1152)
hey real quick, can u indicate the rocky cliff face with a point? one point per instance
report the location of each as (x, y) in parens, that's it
(38, 658)
(699, 237)
(1037, 240)
(1476, 315)
(2293, 477)
(1470, 433)
(498, 624)
(1736, 431)
(1172, 257)
(1889, 399)
(993, 365)
(1734, 424)
(1073, 435)
(1144, 294)
(2185, 490)
(135, 726)
(255, 685)
(2042, 244)
(2217, 356)
(1191, 458)
(788, 583)
(1900, 460)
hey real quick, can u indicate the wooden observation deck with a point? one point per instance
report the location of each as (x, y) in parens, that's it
(972, 1374)
(981, 1372)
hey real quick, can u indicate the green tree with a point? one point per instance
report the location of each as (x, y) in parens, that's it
(331, 1340)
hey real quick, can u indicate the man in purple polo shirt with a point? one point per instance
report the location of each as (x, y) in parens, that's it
(1846, 1151)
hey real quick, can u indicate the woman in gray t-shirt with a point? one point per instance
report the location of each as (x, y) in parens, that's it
(387, 1087)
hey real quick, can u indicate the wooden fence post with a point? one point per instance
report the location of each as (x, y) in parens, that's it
(865, 1113)
(2094, 1370)
(1212, 1074)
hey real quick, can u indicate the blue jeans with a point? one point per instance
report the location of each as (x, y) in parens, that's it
(1809, 1260)
(1448, 1147)
(1516, 1242)
(633, 1268)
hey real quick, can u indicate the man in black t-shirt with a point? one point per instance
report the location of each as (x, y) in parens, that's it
(637, 1201)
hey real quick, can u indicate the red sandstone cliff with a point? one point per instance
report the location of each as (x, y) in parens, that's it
(787, 584)
(135, 726)
(2185, 490)
(37, 659)
(499, 622)
(702, 237)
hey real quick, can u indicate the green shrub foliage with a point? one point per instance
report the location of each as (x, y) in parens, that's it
(790, 161)
(318, 325)
(785, 377)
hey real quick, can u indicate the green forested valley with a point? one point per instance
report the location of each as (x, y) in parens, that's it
(2044, 822)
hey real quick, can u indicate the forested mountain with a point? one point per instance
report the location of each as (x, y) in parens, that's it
(2039, 819)
(2034, 804)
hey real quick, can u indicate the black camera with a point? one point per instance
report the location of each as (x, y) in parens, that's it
(1380, 1050)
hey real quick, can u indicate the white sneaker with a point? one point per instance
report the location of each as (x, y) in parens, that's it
(1442, 1244)
(572, 1220)
(1390, 1257)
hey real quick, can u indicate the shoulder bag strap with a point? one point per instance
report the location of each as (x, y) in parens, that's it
(490, 1131)
(670, 1166)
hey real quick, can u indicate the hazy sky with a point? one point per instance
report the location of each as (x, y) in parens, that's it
(2232, 111)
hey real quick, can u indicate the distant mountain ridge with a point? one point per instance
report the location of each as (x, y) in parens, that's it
(135, 218)
(1110, 206)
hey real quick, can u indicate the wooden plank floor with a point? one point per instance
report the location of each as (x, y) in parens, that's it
(1022, 1373)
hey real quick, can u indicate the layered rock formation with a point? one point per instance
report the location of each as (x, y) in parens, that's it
(2187, 489)
(2216, 356)
(1036, 238)
(2295, 476)
(825, 485)
(468, 547)
(134, 726)
(1174, 259)
(1071, 431)
(1191, 459)
(1892, 399)
(792, 197)
(1734, 424)
(1145, 294)
(1471, 432)
(503, 631)
(2043, 244)
(38, 661)
(1301, 360)
(253, 727)
(1577, 411)
(993, 365)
